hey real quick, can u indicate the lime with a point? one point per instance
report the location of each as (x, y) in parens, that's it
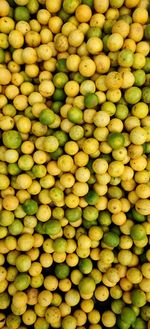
(70, 6)
(63, 15)
(138, 297)
(90, 213)
(73, 214)
(147, 32)
(87, 285)
(30, 207)
(87, 224)
(88, 3)
(125, 58)
(56, 106)
(76, 76)
(2, 56)
(146, 67)
(75, 115)
(133, 95)
(117, 306)
(52, 227)
(116, 140)
(59, 95)
(122, 325)
(56, 194)
(60, 245)
(85, 265)
(138, 232)
(39, 171)
(61, 136)
(41, 323)
(140, 77)
(137, 216)
(145, 312)
(22, 281)
(146, 95)
(139, 324)
(92, 197)
(91, 100)
(62, 271)
(23, 263)
(116, 3)
(39, 228)
(16, 227)
(121, 111)
(111, 239)
(6, 218)
(56, 154)
(128, 315)
(47, 117)
(60, 79)
(94, 31)
(61, 65)
(12, 139)
(104, 218)
(21, 14)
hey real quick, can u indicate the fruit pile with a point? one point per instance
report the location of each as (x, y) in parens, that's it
(74, 164)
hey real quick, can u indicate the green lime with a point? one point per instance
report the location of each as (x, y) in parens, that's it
(56, 106)
(39, 228)
(47, 117)
(39, 171)
(128, 315)
(139, 324)
(87, 224)
(133, 95)
(23, 263)
(104, 218)
(140, 77)
(61, 65)
(117, 306)
(76, 132)
(138, 232)
(16, 227)
(30, 207)
(61, 136)
(21, 14)
(88, 3)
(62, 271)
(91, 100)
(145, 312)
(2, 56)
(109, 107)
(52, 227)
(58, 213)
(116, 140)
(22, 281)
(108, 26)
(63, 15)
(56, 154)
(90, 213)
(116, 3)
(105, 43)
(146, 95)
(60, 79)
(75, 115)
(59, 95)
(70, 6)
(85, 265)
(115, 192)
(138, 297)
(125, 58)
(94, 31)
(146, 67)
(92, 197)
(73, 214)
(60, 245)
(28, 113)
(33, 6)
(12, 139)
(87, 285)
(122, 325)
(76, 76)
(111, 239)
(126, 18)
(137, 216)
(147, 32)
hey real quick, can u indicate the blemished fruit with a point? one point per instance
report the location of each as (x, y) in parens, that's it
(74, 164)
